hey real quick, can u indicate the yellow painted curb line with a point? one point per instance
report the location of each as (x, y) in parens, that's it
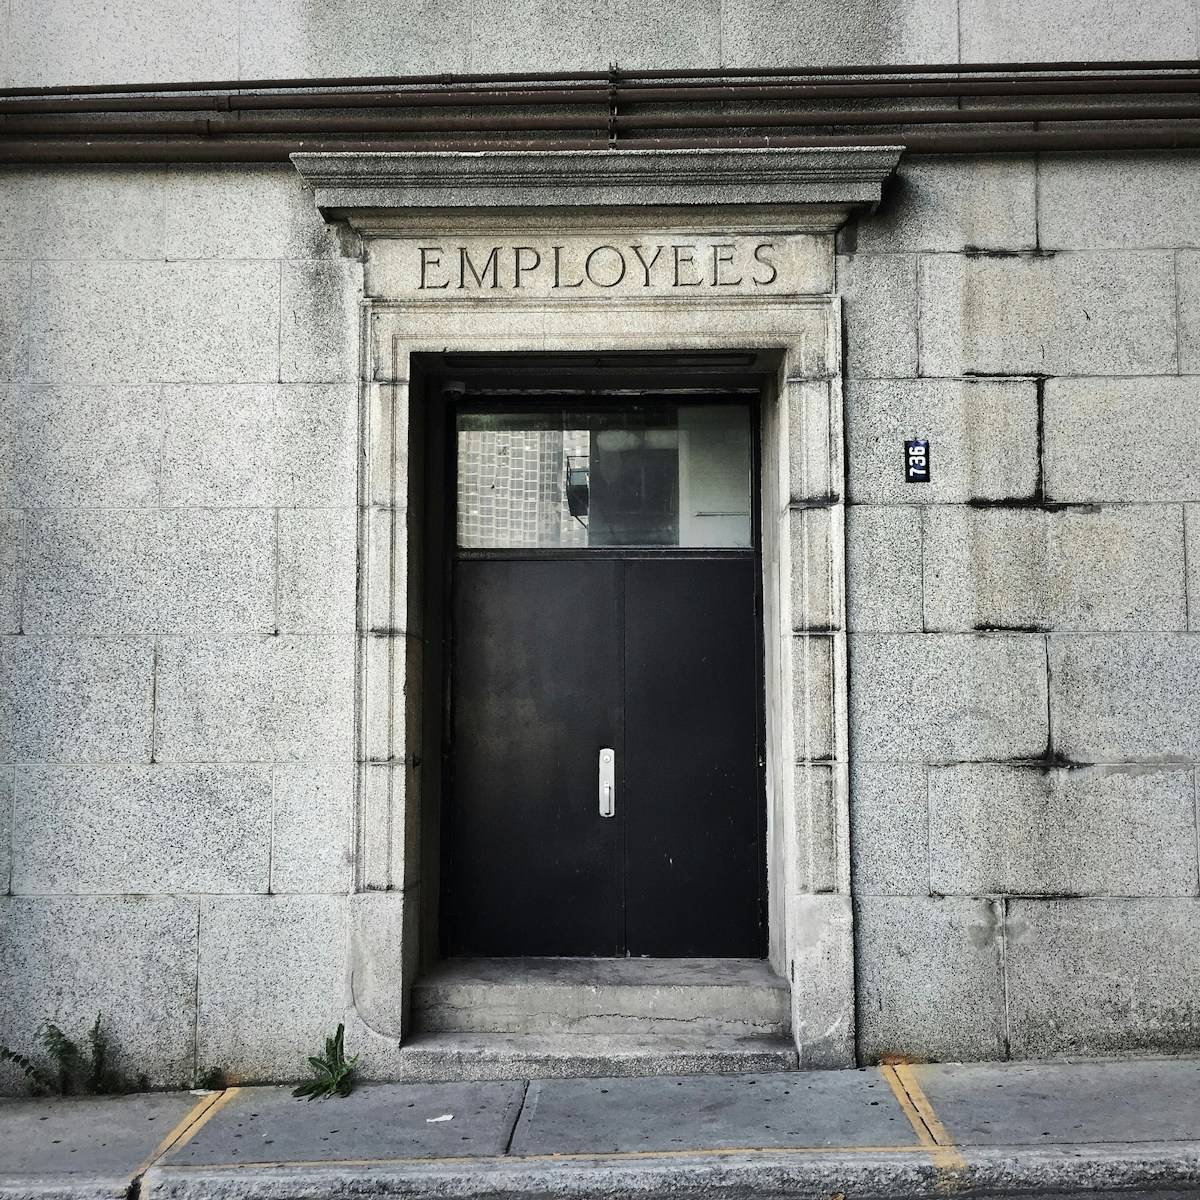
(187, 1128)
(931, 1133)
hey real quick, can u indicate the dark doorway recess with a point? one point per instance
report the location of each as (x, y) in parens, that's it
(598, 613)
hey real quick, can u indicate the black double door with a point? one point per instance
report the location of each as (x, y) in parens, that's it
(556, 661)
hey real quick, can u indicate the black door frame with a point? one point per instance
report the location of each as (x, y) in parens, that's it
(612, 380)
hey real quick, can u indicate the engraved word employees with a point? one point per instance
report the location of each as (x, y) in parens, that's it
(659, 265)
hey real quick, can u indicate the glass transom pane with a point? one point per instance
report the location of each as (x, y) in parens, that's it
(653, 475)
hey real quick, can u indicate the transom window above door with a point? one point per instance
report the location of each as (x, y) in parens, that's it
(658, 474)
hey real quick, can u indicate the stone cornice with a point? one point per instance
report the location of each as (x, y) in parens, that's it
(833, 180)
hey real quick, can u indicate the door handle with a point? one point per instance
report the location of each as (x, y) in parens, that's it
(608, 784)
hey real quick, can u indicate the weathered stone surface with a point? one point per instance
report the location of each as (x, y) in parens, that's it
(219, 446)
(78, 700)
(889, 831)
(1126, 697)
(289, 38)
(758, 33)
(317, 452)
(982, 433)
(254, 699)
(1082, 313)
(154, 322)
(879, 296)
(121, 41)
(883, 568)
(14, 318)
(87, 446)
(1122, 439)
(314, 823)
(179, 570)
(130, 958)
(1115, 568)
(6, 798)
(10, 570)
(1188, 273)
(1191, 517)
(273, 982)
(317, 548)
(243, 211)
(923, 697)
(821, 953)
(817, 572)
(686, 32)
(1103, 976)
(1026, 31)
(1123, 831)
(1117, 202)
(949, 204)
(812, 696)
(318, 333)
(928, 972)
(142, 829)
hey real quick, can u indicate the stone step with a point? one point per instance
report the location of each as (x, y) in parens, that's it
(696, 998)
(451, 1057)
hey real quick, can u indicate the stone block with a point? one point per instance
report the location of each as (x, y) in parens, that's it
(313, 698)
(95, 447)
(319, 326)
(1122, 439)
(10, 570)
(889, 829)
(313, 849)
(317, 579)
(879, 298)
(1191, 517)
(883, 568)
(951, 204)
(78, 700)
(317, 448)
(143, 829)
(810, 443)
(243, 211)
(285, 39)
(1080, 313)
(817, 795)
(762, 33)
(1188, 268)
(130, 958)
(1077, 568)
(536, 35)
(174, 571)
(982, 433)
(84, 213)
(813, 697)
(1131, 697)
(1118, 202)
(154, 322)
(6, 813)
(1116, 831)
(384, 936)
(821, 970)
(14, 319)
(928, 974)
(255, 699)
(684, 32)
(1028, 31)
(928, 697)
(213, 700)
(219, 446)
(273, 982)
(1103, 976)
(817, 542)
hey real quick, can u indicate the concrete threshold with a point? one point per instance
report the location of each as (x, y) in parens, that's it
(1127, 1127)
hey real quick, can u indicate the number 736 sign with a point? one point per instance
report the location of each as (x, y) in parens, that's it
(916, 460)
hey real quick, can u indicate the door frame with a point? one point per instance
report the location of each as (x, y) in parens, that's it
(635, 383)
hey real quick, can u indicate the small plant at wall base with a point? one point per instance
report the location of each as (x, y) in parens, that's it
(68, 1069)
(333, 1072)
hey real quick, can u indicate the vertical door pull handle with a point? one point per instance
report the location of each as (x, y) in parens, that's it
(608, 785)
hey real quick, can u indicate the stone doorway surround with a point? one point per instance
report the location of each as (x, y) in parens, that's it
(746, 264)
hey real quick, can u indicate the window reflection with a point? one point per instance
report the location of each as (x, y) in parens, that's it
(645, 475)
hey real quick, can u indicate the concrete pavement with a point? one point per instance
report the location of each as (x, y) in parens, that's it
(1033, 1129)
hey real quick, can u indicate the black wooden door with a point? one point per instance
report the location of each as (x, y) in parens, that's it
(554, 661)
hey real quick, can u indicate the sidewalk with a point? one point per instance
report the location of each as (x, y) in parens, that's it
(1034, 1129)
